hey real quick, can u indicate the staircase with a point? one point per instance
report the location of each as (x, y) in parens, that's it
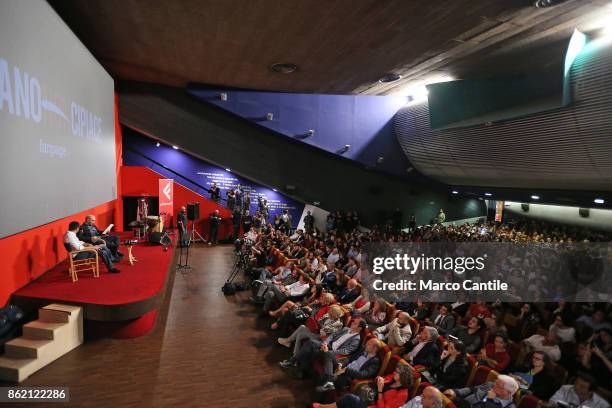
(58, 330)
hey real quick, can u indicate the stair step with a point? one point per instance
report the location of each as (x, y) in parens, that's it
(25, 348)
(63, 308)
(41, 330)
(53, 316)
(12, 369)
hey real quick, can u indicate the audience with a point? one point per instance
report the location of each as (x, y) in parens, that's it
(326, 267)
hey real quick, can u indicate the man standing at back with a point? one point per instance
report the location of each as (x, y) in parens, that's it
(215, 220)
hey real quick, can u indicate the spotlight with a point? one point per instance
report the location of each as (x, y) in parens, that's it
(157, 144)
(270, 116)
(275, 190)
(175, 147)
(599, 201)
(228, 170)
(488, 194)
(455, 192)
(223, 96)
(535, 197)
(305, 135)
(344, 149)
(389, 78)
(547, 3)
(311, 132)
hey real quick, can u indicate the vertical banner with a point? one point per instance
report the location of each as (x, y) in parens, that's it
(166, 200)
(499, 210)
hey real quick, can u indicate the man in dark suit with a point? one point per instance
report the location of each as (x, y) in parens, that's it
(182, 227)
(424, 350)
(247, 221)
(215, 220)
(343, 342)
(498, 394)
(90, 233)
(442, 320)
(362, 365)
(236, 221)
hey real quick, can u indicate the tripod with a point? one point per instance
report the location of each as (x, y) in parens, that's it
(195, 235)
(242, 262)
(186, 264)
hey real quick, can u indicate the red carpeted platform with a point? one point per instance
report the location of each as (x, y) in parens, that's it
(117, 299)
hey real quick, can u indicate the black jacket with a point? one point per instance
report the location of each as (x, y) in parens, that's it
(368, 370)
(455, 375)
(428, 356)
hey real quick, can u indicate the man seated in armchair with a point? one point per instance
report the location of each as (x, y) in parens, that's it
(90, 234)
(362, 365)
(72, 243)
(497, 394)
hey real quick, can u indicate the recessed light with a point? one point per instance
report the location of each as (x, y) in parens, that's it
(535, 197)
(157, 144)
(389, 78)
(228, 170)
(284, 68)
(599, 201)
(274, 189)
(175, 147)
(488, 194)
(455, 192)
(547, 3)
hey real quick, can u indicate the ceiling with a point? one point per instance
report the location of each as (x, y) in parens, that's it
(341, 46)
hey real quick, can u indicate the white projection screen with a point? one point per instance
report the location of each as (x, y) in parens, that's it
(56, 120)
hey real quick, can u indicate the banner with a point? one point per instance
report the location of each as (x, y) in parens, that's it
(166, 200)
(499, 211)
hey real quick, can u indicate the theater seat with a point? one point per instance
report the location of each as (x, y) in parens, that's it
(483, 374)
(82, 265)
(530, 401)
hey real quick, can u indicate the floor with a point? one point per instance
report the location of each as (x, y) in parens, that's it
(207, 350)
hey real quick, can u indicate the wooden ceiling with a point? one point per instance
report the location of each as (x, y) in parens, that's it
(340, 46)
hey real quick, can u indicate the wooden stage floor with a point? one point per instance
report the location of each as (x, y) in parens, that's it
(206, 350)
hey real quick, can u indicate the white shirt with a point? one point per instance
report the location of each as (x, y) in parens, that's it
(297, 288)
(567, 394)
(537, 342)
(333, 258)
(413, 403)
(75, 243)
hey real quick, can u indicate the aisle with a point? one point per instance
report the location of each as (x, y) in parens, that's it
(207, 350)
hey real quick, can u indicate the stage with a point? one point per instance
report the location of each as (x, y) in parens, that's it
(120, 305)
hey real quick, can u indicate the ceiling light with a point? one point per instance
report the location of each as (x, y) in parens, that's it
(455, 192)
(157, 144)
(488, 194)
(284, 68)
(599, 201)
(535, 197)
(389, 78)
(223, 96)
(175, 147)
(274, 190)
(228, 170)
(270, 116)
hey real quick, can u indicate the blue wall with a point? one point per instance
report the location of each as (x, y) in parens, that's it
(198, 175)
(364, 122)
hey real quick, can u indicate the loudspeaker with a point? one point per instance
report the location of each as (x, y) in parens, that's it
(525, 207)
(193, 211)
(584, 212)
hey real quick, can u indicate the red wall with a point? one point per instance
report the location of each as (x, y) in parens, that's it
(142, 181)
(29, 254)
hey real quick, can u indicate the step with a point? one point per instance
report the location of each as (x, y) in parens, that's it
(64, 308)
(53, 316)
(25, 348)
(16, 369)
(42, 330)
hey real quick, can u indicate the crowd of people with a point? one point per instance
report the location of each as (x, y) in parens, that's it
(309, 283)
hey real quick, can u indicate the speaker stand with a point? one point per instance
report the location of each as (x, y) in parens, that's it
(195, 235)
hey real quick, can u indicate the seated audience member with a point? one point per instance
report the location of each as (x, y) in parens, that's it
(580, 394)
(423, 350)
(452, 370)
(90, 234)
(547, 344)
(596, 321)
(349, 293)
(376, 315)
(330, 323)
(343, 342)
(495, 354)
(442, 320)
(597, 356)
(361, 304)
(313, 309)
(364, 364)
(495, 324)
(346, 401)
(350, 269)
(537, 377)
(528, 315)
(397, 332)
(479, 309)
(470, 335)
(430, 398)
(281, 276)
(392, 391)
(498, 394)
(419, 310)
(565, 333)
(72, 242)
(280, 293)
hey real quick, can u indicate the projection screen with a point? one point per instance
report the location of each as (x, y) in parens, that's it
(56, 120)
